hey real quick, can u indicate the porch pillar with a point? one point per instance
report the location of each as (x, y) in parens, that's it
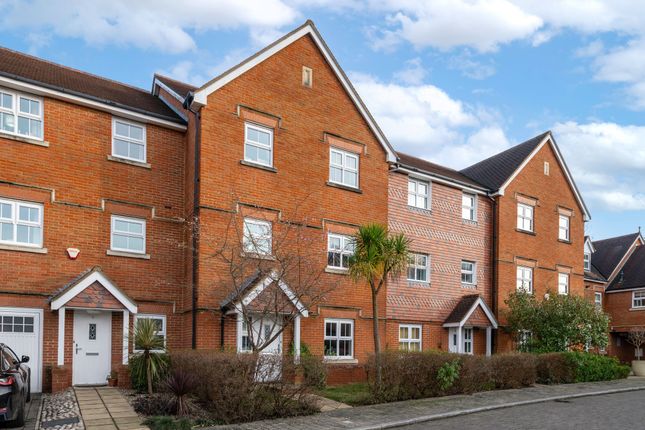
(238, 332)
(460, 343)
(296, 339)
(126, 336)
(61, 336)
(489, 340)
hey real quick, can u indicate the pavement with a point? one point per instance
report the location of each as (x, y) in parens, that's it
(105, 408)
(31, 414)
(416, 414)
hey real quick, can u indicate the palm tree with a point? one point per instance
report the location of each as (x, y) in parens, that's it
(148, 341)
(377, 255)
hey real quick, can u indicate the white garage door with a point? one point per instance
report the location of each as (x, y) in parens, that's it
(20, 329)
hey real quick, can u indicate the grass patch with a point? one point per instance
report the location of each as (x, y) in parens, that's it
(351, 394)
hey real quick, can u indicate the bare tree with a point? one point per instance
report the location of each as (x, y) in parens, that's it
(637, 338)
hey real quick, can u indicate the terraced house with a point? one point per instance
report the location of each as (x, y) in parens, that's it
(202, 207)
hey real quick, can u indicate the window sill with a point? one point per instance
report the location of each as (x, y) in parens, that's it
(567, 242)
(530, 233)
(257, 256)
(422, 211)
(18, 248)
(336, 271)
(130, 162)
(128, 254)
(469, 286)
(468, 221)
(637, 309)
(422, 284)
(28, 140)
(258, 166)
(344, 187)
(332, 360)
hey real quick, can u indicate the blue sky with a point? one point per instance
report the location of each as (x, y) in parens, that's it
(453, 81)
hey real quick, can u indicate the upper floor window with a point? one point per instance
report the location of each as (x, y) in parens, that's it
(339, 249)
(524, 279)
(409, 337)
(257, 237)
(128, 235)
(563, 283)
(638, 299)
(524, 217)
(258, 144)
(21, 223)
(597, 298)
(339, 338)
(343, 167)
(587, 261)
(159, 322)
(21, 115)
(563, 228)
(128, 140)
(468, 210)
(418, 193)
(468, 272)
(418, 267)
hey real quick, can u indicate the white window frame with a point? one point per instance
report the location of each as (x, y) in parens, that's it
(162, 332)
(343, 166)
(564, 231)
(140, 221)
(640, 297)
(405, 342)
(416, 195)
(143, 142)
(525, 213)
(472, 272)
(468, 340)
(472, 210)
(522, 270)
(345, 254)
(338, 338)
(563, 283)
(587, 261)
(247, 142)
(15, 221)
(597, 299)
(16, 112)
(415, 265)
(248, 241)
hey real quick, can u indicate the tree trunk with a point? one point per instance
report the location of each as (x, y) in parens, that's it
(148, 372)
(377, 338)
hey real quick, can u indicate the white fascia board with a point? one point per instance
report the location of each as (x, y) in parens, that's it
(86, 282)
(201, 95)
(78, 100)
(440, 180)
(158, 83)
(485, 308)
(268, 280)
(563, 166)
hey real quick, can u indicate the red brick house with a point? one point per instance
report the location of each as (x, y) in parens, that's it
(444, 300)
(617, 281)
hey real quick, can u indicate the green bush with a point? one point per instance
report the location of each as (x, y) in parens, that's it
(592, 367)
(137, 367)
(448, 374)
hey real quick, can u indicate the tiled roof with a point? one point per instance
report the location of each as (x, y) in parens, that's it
(610, 251)
(461, 309)
(181, 88)
(28, 69)
(436, 170)
(632, 275)
(241, 291)
(594, 274)
(494, 171)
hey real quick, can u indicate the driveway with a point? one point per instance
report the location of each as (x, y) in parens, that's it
(611, 411)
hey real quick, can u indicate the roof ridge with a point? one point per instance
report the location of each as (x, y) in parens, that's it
(615, 237)
(427, 161)
(103, 78)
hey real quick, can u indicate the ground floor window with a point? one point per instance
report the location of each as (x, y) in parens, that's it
(339, 338)
(409, 337)
(468, 341)
(159, 321)
(598, 299)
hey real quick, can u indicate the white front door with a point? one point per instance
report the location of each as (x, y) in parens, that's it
(270, 359)
(92, 347)
(453, 341)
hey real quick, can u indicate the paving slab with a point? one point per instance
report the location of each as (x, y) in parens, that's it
(105, 408)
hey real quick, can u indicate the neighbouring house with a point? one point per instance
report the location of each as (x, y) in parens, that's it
(538, 224)
(444, 299)
(618, 284)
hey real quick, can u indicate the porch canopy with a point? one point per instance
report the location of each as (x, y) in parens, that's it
(92, 290)
(472, 311)
(266, 293)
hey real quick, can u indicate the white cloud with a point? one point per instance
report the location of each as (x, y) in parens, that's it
(165, 25)
(607, 161)
(425, 121)
(413, 73)
(471, 68)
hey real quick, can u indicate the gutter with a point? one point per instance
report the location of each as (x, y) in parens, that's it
(438, 178)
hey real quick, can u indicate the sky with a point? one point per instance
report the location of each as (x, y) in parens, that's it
(452, 81)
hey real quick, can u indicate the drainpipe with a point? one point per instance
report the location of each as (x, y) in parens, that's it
(494, 270)
(195, 228)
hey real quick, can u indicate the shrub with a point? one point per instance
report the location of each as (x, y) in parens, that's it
(448, 374)
(555, 368)
(476, 374)
(314, 371)
(592, 367)
(155, 404)
(180, 385)
(138, 375)
(513, 370)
